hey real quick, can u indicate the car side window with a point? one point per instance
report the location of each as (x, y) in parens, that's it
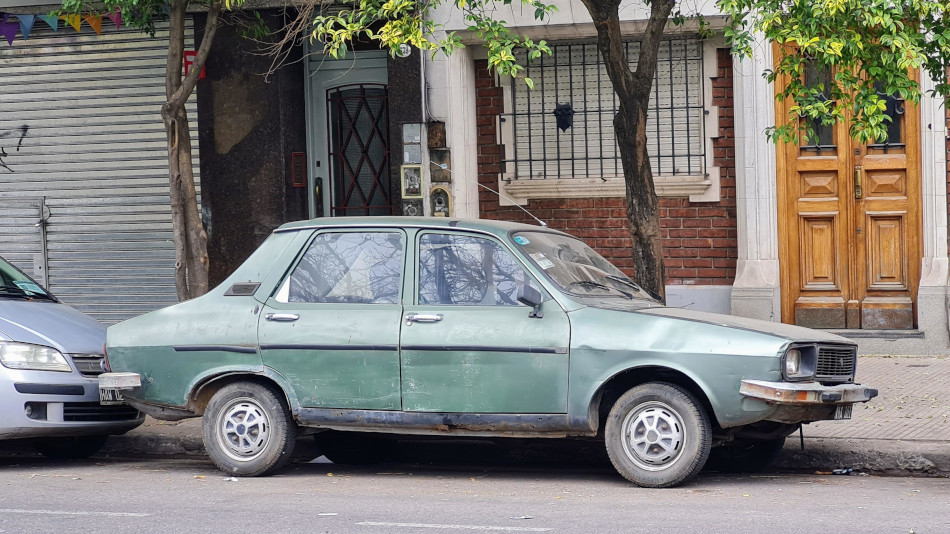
(467, 270)
(348, 267)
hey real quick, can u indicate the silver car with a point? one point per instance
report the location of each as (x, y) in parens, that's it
(50, 357)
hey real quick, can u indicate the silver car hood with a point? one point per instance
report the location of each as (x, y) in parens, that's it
(52, 324)
(787, 331)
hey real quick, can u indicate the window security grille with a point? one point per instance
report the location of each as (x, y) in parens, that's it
(537, 149)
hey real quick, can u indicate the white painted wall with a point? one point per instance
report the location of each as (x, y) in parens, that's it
(568, 16)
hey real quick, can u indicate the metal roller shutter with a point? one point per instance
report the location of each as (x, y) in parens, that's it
(20, 234)
(80, 128)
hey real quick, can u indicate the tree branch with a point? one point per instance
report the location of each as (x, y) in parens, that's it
(646, 64)
(176, 45)
(188, 85)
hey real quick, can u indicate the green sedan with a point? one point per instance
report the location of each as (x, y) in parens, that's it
(354, 328)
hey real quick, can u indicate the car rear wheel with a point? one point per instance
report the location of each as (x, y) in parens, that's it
(248, 430)
(657, 435)
(71, 448)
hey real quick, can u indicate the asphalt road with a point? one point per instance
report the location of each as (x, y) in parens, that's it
(190, 495)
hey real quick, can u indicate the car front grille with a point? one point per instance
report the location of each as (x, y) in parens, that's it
(88, 364)
(93, 411)
(836, 363)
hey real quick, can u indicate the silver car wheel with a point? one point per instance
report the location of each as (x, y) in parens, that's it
(243, 429)
(653, 436)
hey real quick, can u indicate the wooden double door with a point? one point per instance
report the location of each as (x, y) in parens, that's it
(849, 225)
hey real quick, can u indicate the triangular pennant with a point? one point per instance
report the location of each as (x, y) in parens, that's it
(116, 17)
(8, 28)
(72, 20)
(52, 20)
(94, 22)
(26, 25)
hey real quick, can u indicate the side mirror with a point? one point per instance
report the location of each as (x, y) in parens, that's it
(530, 296)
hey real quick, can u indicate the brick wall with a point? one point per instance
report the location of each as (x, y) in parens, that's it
(947, 107)
(699, 239)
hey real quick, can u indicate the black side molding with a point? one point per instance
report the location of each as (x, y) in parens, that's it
(241, 349)
(50, 389)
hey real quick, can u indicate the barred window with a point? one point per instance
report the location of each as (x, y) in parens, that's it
(574, 74)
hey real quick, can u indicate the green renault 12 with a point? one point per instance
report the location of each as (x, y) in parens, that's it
(354, 328)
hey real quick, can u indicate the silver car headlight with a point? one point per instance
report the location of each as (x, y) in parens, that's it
(799, 363)
(32, 357)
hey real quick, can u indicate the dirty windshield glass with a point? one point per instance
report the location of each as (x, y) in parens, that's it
(14, 283)
(576, 267)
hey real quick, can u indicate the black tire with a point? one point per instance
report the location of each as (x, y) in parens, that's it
(750, 457)
(658, 435)
(248, 430)
(352, 448)
(71, 448)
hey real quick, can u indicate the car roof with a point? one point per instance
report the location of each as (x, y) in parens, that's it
(488, 225)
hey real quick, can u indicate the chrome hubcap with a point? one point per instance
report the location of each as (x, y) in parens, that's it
(243, 429)
(653, 436)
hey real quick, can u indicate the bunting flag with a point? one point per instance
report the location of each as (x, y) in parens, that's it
(72, 20)
(8, 27)
(26, 25)
(52, 21)
(116, 17)
(94, 22)
(11, 23)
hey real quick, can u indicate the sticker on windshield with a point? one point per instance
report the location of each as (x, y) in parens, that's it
(522, 240)
(29, 286)
(542, 262)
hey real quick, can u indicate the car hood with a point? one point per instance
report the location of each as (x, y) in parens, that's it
(52, 324)
(787, 331)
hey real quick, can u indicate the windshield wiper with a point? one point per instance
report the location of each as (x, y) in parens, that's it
(631, 283)
(19, 292)
(624, 280)
(598, 285)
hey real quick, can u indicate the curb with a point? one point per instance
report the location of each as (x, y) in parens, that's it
(821, 455)
(871, 456)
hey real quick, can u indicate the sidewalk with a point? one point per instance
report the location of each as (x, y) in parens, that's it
(905, 430)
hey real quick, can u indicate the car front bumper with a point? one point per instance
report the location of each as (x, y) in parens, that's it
(49, 404)
(802, 402)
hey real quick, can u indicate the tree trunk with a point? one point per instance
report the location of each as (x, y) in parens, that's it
(191, 240)
(633, 92)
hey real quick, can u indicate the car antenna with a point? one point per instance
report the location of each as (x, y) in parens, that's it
(445, 167)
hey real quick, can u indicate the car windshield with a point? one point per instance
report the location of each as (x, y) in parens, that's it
(576, 267)
(15, 284)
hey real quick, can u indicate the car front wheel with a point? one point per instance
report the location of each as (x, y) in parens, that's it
(658, 435)
(248, 430)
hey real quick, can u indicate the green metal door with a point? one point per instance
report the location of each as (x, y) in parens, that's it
(467, 345)
(332, 330)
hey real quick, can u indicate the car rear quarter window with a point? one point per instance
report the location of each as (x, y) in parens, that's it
(348, 267)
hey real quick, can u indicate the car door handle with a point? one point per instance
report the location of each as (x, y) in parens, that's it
(282, 317)
(422, 318)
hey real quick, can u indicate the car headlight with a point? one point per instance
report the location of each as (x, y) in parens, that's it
(32, 357)
(799, 362)
(793, 362)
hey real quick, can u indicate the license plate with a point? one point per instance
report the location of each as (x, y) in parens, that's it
(110, 396)
(842, 411)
